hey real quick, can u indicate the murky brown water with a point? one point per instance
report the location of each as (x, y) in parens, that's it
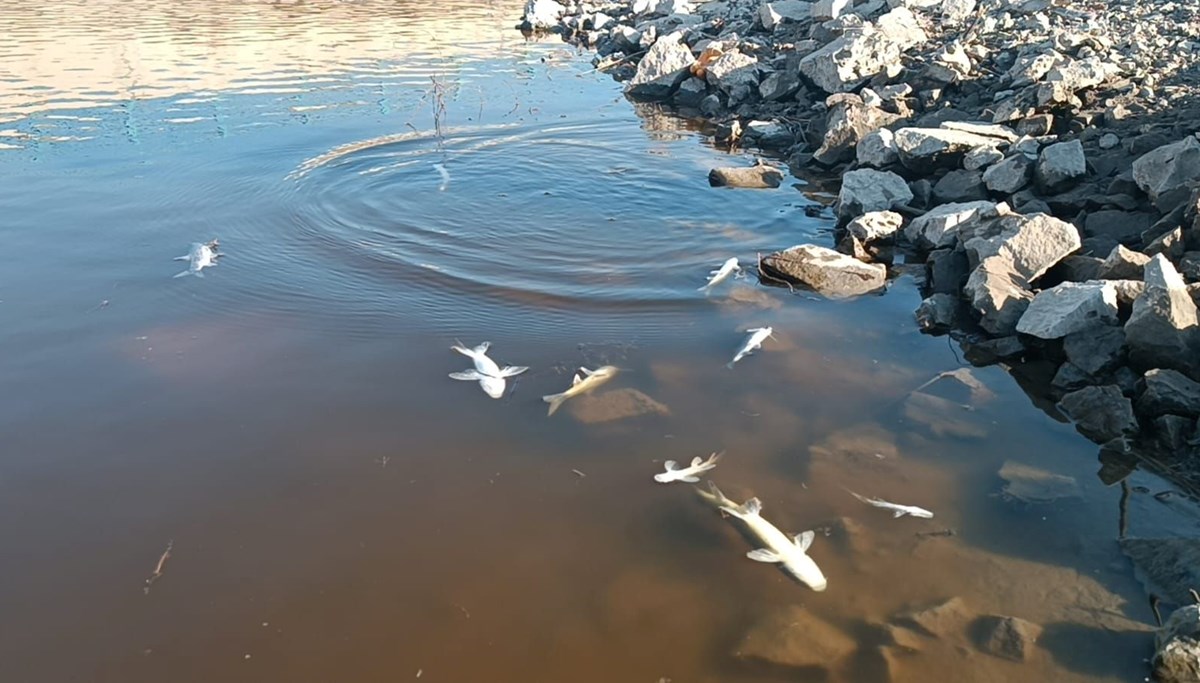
(339, 509)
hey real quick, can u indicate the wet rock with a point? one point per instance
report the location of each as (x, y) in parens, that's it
(779, 85)
(922, 149)
(1162, 330)
(941, 226)
(960, 186)
(691, 92)
(1166, 172)
(613, 405)
(1123, 226)
(854, 57)
(1172, 433)
(1168, 391)
(947, 270)
(1008, 176)
(541, 15)
(1177, 647)
(1170, 567)
(1070, 377)
(991, 351)
(1031, 244)
(938, 313)
(1096, 351)
(1070, 307)
(865, 190)
(793, 636)
(848, 122)
(1123, 264)
(825, 271)
(1007, 637)
(1030, 484)
(876, 226)
(1100, 413)
(877, 148)
(759, 176)
(947, 619)
(998, 294)
(769, 134)
(664, 67)
(981, 157)
(1060, 163)
(733, 69)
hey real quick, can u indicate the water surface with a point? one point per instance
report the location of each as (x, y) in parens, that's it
(339, 509)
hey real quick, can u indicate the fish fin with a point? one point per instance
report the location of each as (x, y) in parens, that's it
(697, 461)
(712, 459)
(458, 346)
(555, 400)
(183, 274)
(185, 257)
(483, 347)
(576, 379)
(804, 539)
(764, 555)
(862, 498)
(512, 370)
(751, 507)
(690, 479)
(899, 513)
(586, 372)
(467, 375)
(671, 465)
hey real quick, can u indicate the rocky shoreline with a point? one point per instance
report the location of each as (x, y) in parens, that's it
(1034, 163)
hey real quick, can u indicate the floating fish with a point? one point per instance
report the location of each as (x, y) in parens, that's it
(714, 496)
(897, 510)
(491, 377)
(717, 276)
(757, 335)
(676, 473)
(202, 255)
(591, 380)
(788, 552)
(445, 177)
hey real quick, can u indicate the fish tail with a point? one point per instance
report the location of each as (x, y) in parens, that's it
(555, 400)
(183, 274)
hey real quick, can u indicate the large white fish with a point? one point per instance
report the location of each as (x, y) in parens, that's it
(202, 255)
(897, 510)
(491, 377)
(581, 385)
(676, 473)
(789, 552)
(717, 276)
(754, 341)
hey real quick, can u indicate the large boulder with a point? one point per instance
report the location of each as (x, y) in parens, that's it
(1061, 163)
(876, 226)
(1070, 307)
(998, 294)
(825, 271)
(865, 190)
(848, 122)
(1032, 244)
(1177, 647)
(1162, 331)
(922, 149)
(1168, 392)
(940, 226)
(856, 56)
(1166, 173)
(663, 68)
(1100, 413)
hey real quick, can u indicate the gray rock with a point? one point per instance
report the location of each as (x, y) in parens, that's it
(541, 15)
(1167, 172)
(942, 226)
(854, 57)
(1070, 377)
(957, 11)
(825, 271)
(1172, 433)
(1177, 647)
(1189, 266)
(998, 294)
(1030, 484)
(877, 148)
(1124, 226)
(1061, 163)
(1032, 244)
(772, 14)
(947, 271)
(769, 134)
(848, 122)
(731, 70)
(824, 10)
(981, 157)
(865, 190)
(876, 226)
(1128, 291)
(1066, 79)
(1096, 351)
(691, 92)
(1079, 268)
(922, 149)
(1109, 141)
(1162, 330)
(792, 636)
(960, 186)
(1008, 176)
(1068, 308)
(1169, 567)
(1168, 392)
(779, 85)
(1123, 264)
(759, 176)
(1100, 413)
(663, 68)
(1169, 244)
(939, 312)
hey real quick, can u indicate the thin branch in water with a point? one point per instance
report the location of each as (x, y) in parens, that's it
(158, 568)
(763, 274)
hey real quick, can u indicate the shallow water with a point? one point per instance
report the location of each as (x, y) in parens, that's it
(339, 509)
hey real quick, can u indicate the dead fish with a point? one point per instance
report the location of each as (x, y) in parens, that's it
(755, 340)
(491, 377)
(717, 276)
(202, 255)
(897, 510)
(788, 552)
(591, 380)
(441, 169)
(676, 473)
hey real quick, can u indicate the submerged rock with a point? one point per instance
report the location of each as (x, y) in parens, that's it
(825, 271)
(1170, 567)
(1100, 413)
(793, 636)
(947, 619)
(1008, 637)
(1177, 647)
(759, 176)
(1033, 485)
(613, 405)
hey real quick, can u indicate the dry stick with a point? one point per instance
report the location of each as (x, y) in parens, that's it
(158, 568)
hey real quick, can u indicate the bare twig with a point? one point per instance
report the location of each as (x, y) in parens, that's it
(158, 568)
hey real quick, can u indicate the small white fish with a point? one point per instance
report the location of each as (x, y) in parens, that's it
(445, 177)
(491, 377)
(897, 510)
(581, 385)
(676, 473)
(754, 341)
(202, 255)
(717, 276)
(789, 552)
